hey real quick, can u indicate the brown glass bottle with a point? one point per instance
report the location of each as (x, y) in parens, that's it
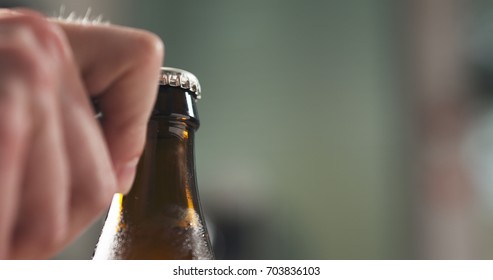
(161, 218)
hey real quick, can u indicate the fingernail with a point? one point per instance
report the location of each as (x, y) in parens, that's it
(126, 175)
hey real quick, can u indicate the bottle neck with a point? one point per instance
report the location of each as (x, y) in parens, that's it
(176, 105)
(165, 182)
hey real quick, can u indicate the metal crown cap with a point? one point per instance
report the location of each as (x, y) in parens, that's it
(180, 78)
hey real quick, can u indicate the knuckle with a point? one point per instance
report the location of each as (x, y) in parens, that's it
(36, 28)
(28, 42)
(149, 46)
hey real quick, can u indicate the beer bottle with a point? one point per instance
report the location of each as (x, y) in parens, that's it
(161, 217)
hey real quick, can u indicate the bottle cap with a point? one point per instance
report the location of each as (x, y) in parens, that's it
(175, 77)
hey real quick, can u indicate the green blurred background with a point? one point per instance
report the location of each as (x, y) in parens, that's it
(307, 145)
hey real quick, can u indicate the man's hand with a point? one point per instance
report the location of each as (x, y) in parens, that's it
(58, 166)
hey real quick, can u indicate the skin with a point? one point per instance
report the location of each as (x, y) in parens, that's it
(59, 166)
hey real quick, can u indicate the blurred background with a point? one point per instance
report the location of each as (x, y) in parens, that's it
(342, 129)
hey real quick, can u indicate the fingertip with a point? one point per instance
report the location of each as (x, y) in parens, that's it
(125, 174)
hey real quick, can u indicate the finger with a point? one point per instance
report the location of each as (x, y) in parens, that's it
(122, 70)
(42, 219)
(88, 170)
(126, 107)
(14, 127)
(27, 46)
(93, 181)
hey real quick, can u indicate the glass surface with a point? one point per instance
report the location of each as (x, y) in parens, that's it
(160, 218)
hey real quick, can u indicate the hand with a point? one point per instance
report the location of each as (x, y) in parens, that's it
(59, 167)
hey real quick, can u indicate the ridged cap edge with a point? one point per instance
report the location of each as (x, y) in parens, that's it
(176, 77)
